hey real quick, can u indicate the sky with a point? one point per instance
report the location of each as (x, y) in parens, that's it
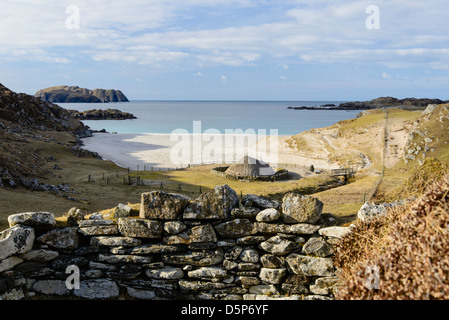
(289, 50)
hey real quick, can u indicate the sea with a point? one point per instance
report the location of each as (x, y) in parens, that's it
(164, 117)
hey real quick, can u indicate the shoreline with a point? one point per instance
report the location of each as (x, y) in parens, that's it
(173, 150)
(154, 150)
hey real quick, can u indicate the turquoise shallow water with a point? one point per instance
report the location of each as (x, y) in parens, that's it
(166, 116)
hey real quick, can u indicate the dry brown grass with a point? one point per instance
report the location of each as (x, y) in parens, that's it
(409, 246)
(418, 180)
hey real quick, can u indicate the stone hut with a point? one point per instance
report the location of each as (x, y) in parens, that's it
(249, 167)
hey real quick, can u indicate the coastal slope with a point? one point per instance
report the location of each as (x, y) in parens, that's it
(24, 120)
(42, 165)
(63, 94)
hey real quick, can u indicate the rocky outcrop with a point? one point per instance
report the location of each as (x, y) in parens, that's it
(382, 102)
(173, 252)
(385, 102)
(25, 119)
(369, 210)
(62, 94)
(108, 114)
(27, 112)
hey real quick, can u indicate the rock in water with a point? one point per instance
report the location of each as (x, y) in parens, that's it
(108, 114)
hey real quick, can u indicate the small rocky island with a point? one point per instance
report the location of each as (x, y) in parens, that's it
(108, 114)
(70, 94)
(382, 102)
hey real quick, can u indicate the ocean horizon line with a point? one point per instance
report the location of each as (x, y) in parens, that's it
(206, 100)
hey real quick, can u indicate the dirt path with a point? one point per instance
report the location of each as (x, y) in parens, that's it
(397, 135)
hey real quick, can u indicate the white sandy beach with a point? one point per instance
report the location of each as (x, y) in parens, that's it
(130, 150)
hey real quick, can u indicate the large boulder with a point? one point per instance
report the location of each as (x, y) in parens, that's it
(370, 210)
(162, 205)
(53, 287)
(37, 220)
(16, 240)
(334, 232)
(216, 203)
(198, 234)
(317, 246)
(74, 216)
(252, 200)
(277, 245)
(268, 215)
(168, 273)
(208, 273)
(236, 228)
(297, 208)
(273, 276)
(142, 228)
(122, 211)
(195, 258)
(9, 263)
(97, 289)
(310, 266)
(64, 238)
(114, 241)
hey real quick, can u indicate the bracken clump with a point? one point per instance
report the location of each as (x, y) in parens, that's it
(402, 255)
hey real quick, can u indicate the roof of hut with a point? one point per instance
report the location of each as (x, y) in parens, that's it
(250, 167)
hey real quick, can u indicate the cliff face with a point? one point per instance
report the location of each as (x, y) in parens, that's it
(27, 112)
(63, 94)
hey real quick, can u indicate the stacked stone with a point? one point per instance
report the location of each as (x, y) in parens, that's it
(213, 247)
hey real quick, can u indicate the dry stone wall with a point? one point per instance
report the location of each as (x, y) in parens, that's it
(214, 247)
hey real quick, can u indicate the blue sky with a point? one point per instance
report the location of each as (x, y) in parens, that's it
(228, 49)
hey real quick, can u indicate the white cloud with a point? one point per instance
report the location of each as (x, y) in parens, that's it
(154, 33)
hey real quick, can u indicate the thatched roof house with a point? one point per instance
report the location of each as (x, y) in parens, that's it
(250, 168)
